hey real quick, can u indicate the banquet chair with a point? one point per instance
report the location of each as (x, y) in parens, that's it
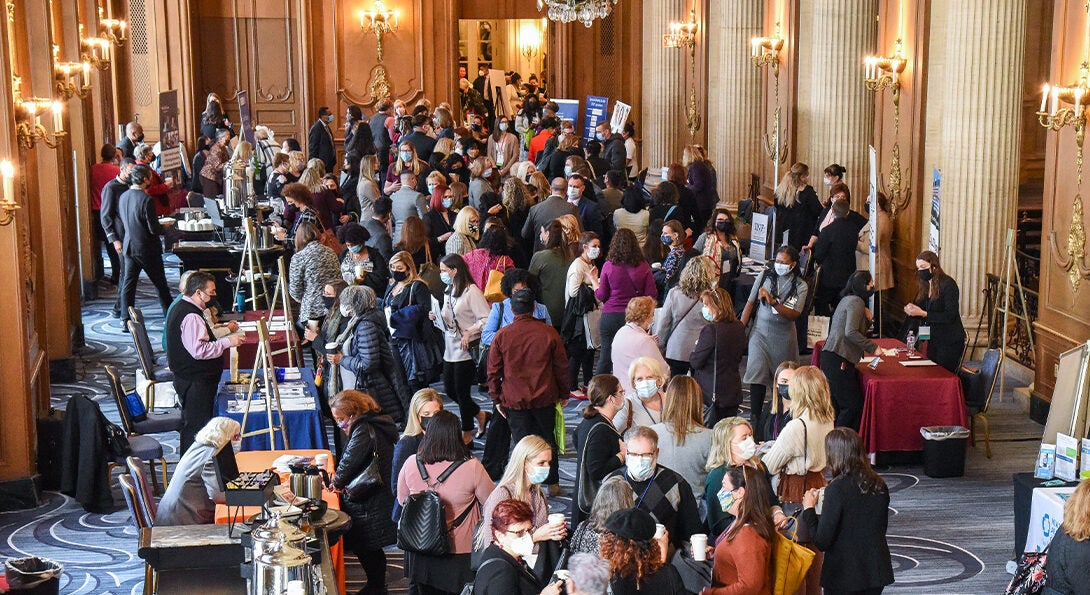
(143, 520)
(978, 384)
(156, 378)
(144, 447)
(144, 490)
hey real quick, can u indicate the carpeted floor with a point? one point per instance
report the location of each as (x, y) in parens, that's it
(946, 535)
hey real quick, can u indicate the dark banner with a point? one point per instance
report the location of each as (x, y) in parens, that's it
(170, 152)
(244, 114)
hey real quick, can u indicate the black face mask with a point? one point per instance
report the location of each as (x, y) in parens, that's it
(781, 389)
(399, 276)
(924, 274)
(140, 138)
(328, 302)
(425, 422)
(723, 226)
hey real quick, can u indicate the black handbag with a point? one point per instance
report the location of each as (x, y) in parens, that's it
(588, 488)
(370, 479)
(117, 441)
(422, 528)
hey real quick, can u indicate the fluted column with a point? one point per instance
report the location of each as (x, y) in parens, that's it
(735, 95)
(836, 116)
(665, 131)
(981, 139)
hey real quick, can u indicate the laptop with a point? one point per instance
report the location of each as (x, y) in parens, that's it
(226, 466)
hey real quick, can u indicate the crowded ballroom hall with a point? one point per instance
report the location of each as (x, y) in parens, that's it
(543, 297)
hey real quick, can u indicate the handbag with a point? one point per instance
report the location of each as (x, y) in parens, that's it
(790, 563)
(117, 441)
(492, 291)
(429, 273)
(423, 528)
(370, 479)
(1029, 577)
(588, 488)
(817, 329)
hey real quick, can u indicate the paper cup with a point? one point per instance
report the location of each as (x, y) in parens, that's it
(332, 347)
(556, 518)
(321, 460)
(700, 545)
(660, 530)
(312, 324)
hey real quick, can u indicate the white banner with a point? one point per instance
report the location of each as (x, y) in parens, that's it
(874, 220)
(933, 232)
(620, 116)
(758, 242)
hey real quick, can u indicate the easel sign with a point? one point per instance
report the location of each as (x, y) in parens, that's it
(268, 393)
(1068, 412)
(758, 242)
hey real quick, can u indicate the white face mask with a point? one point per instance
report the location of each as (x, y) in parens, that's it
(537, 475)
(639, 468)
(522, 546)
(747, 448)
(646, 388)
(346, 311)
(236, 445)
(573, 193)
(593, 252)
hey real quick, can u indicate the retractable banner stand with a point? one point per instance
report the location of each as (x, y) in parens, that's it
(597, 108)
(873, 197)
(620, 116)
(758, 242)
(170, 152)
(245, 116)
(933, 231)
(569, 109)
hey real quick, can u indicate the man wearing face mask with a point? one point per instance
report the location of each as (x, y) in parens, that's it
(134, 135)
(195, 355)
(541, 214)
(195, 488)
(835, 252)
(320, 140)
(659, 491)
(424, 144)
(613, 150)
(589, 213)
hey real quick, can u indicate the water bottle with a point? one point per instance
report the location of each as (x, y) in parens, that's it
(240, 300)
(911, 342)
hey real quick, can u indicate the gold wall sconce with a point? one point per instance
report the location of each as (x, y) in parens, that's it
(765, 51)
(112, 29)
(379, 21)
(880, 73)
(28, 112)
(94, 50)
(71, 79)
(683, 36)
(8, 206)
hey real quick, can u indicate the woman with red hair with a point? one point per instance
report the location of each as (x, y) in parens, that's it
(503, 569)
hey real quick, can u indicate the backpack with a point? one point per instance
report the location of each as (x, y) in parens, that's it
(422, 528)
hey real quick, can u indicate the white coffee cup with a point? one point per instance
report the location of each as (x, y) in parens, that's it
(556, 518)
(321, 460)
(700, 546)
(332, 347)
(660, 530)
(312, 325)
(361, 270)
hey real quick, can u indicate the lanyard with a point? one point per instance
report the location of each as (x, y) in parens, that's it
(651, 480)
(648, 411)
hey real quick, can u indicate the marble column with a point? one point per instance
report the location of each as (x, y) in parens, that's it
(981, 139)
(736, 95)
(836, 115)
(663, 123)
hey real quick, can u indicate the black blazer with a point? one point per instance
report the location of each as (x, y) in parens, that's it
(142, 230)
(424, 144)
(852, 533)
(835, 252)
(943, 313)
(800, 219)
(599, 456)
(506, 576)
(320, 145)
(108, 215)
(722, 372)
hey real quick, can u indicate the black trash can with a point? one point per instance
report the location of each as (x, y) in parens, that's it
(944, 450)
(37, 576)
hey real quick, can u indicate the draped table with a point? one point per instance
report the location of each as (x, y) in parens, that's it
(247, 351)
(304, 426)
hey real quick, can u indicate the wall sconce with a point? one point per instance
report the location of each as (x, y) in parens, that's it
(378, 21)
(8, 206)
(683, 36)
(71, 78)
(765, 51)
(529, 41)
(884, 73)
(112, 29)
(95, 50)
(28, 127)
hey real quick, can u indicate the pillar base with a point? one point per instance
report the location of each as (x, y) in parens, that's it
(19, 494)
(62, 371)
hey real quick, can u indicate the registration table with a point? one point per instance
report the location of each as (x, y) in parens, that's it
(247, 351)
(1046, 513)
(263, 459)
(302, 417)
(898, 400)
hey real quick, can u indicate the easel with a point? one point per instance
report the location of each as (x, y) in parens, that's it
(270, 391)
(282, 300)
(251, 263)
(1009, 264)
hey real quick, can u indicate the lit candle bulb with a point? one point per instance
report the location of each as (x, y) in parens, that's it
(755, 43)
(8, 173)
(57, 107)
(1044, 99)
(362, 24)
(122, 29)
(1055, 99)
(87, 74)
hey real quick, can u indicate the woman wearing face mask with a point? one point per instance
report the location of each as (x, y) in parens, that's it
(330, 329)
(668, 273)
(186, 500)
(598, 446)
(409, 303)
(777, 300)
(407, 160)
(361, 265)
(644, 404)
(780, 412)
(467, 229)
(502, 569)
(797, 206)
(733, 445)
(634, 340)
(567, 146)
(441, 215)
(743, 552)
(424, 404)
(503, 146)
(846, 344)
(371, 435)
(550, 265)
(463, 315)
(580, 282)
(632, 215)
(481, 170)
(937, 305)
(526, 470)
(366, 359)
(684, 442)
(681, 318)
(720, 245)
(717, 355)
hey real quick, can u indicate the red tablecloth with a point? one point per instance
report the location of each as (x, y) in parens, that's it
(899, 400)
(247, 351)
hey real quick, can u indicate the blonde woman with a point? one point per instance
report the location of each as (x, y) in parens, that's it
(526, 470)
(634, 341)
(645, 406)
(408, 303)
(702, 182)
(480, 176)
(1068, 564)
(367, 190)
(444, 146)
(423, 406)
(684, 442)
(733, 446)
(297, 162)
(312, 175)
(798, 455)
(327, 205)
(573, 231)
(797, 206)
(467, 229)
(407, 160)
(681, 318)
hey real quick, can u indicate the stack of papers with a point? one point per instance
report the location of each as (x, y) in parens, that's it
(918, 362)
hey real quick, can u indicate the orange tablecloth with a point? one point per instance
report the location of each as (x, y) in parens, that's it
(259, 460)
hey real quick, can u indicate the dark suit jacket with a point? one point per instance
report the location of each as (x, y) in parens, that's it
(380, 135)
(835, 252)
(142, 230)
(852, 533)
(127, 146)
(614, 153)
(943, 314)
(424, 144)
(108, 215)
(542, 213)
(320, 145)
(590, 215)
(380, 239)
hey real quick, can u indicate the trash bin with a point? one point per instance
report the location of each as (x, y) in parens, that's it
(37, 576)
(944, 450)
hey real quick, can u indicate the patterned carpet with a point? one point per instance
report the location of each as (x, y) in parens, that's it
(947, 535)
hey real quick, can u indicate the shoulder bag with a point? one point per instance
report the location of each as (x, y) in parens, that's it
(370, 479)
(790, 563)
(423, 528)
(492, 291)
(588, 487)
(429, 272)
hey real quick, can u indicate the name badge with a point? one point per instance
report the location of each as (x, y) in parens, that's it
(792, 303)
(925, 332)
(726, 267)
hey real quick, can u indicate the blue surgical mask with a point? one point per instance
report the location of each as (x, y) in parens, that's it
(726, 499)
(537, 475)
(782, 269)
(639, 468)
(431, 188)
(567, 170)
(667, 240)
(601, 137)
(447, 202)
(646, 388)
(503, 126)
(355, 249)
(593, 252)
(406, 156)
(707, 313)
(488, 173)
(445, 277)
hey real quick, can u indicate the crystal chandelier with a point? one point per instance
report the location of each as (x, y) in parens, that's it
(566, 11)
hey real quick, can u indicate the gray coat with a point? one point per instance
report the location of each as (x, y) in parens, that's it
(542, 213)
(847, 330)
(406, 203)
(678, 325)
(193, 489)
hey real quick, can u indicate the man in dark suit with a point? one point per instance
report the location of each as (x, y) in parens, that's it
(424, 144)
(835, 252)
(545, 211)
(134, 135)
(589, 213)
(111, 220)
(142, 244)
(381, 135)
(320, 140)
(613, 151)
(838, 191)
(376, 226)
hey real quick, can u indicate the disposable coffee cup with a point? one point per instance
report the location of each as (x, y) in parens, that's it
(556, 518)
(321, 460)
(331, 347)
(700, 546)
(660, 530)
(361, 270)
(312, 324)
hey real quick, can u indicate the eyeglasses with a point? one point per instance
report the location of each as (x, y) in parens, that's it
(521, 533)
(639, 454)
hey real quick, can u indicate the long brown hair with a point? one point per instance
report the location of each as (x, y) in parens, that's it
(413, 234)
(930, 289)
(599, 390)
(625, 249)
(754, 507)
(558, 240)
(844, 453)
